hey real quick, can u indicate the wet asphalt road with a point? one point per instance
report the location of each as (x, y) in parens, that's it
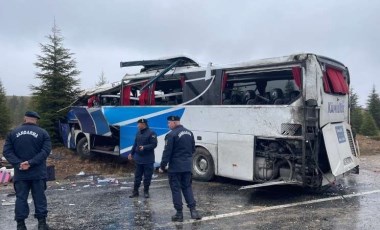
(84, 205)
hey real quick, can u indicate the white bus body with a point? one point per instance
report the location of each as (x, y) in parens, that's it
(274, 121)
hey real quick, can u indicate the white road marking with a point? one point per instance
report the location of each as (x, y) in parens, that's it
(262, 209)
(158, 180)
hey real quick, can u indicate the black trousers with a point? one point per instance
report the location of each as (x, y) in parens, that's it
(22, 188)
(181, 181)
(147, 171)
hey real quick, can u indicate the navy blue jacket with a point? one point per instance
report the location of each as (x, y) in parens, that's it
(148, 139)
(28, 142)
(179, 149)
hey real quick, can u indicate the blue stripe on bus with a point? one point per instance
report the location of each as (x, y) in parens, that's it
(158, 124)
(119, 114)
(95, 122)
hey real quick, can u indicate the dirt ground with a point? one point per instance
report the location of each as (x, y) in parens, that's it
(368, 146)
(68, 164)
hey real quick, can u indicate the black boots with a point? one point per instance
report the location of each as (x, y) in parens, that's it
(195, 214)
(146, 193)
(178, 217)
(42, 224)
(135, 193)
(21, 225)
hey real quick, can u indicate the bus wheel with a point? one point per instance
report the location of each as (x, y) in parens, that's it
(203, 165)
(83, 148)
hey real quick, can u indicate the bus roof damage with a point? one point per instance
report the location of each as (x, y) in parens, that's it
(158, 64)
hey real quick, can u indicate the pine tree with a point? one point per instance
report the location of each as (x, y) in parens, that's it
(58, 86)
(368, 127)
(5, 118)
(355, 112)
(373, 105)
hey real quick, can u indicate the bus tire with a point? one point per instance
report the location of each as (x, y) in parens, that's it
(203, 165)
(83, 149)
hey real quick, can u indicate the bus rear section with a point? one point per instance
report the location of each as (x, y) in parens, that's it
(281, 121)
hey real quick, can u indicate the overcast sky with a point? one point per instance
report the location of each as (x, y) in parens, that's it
(103, 33)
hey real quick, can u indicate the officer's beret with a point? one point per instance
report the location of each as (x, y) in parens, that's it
(142, 120)
(32, 114)
(173, 118)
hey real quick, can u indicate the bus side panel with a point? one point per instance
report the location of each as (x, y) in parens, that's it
(235, 156)
(127, 138)
(258, 121)
(92, 120)
(340, 148)
(159, 150)
(126, 117)
(333, 109)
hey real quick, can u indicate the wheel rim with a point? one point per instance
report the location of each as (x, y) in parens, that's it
(85, 149)
(201, 165)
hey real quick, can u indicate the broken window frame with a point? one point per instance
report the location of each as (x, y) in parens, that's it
(292, 75)
(159, 95)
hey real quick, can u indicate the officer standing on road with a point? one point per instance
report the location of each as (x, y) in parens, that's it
(178, 152)
(143, 154)
(27, 148)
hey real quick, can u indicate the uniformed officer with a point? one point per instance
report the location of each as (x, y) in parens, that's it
(178, 152)
(143, 154)
(26, 148)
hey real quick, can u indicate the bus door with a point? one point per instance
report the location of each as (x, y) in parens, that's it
(340, 148)
(235, 156)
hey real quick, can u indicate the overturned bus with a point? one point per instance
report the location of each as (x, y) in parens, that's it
(273, 121)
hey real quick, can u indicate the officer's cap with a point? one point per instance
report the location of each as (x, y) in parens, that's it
(142, 120)
(173, 118)
(32, 114)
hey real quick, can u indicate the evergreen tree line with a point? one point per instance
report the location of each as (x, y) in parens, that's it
(59, 87)
(365, 121)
